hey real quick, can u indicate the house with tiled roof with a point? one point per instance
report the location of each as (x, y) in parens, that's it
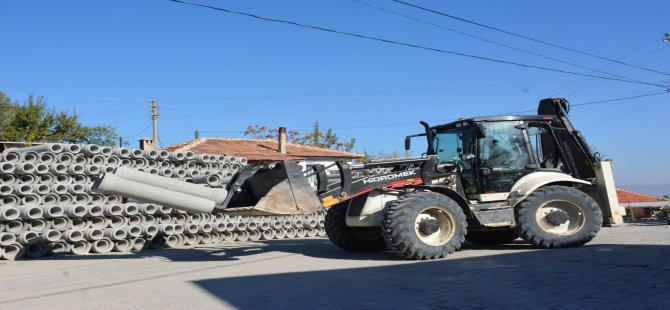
(258, 151)
(640, 206)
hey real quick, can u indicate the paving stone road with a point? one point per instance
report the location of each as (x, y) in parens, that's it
(625, 267)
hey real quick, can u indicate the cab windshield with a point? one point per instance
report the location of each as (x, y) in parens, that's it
(450, 144)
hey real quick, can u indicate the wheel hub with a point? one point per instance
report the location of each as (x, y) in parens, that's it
(429, 226)
(557, 217)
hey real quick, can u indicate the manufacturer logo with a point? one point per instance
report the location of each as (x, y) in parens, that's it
(388, 177)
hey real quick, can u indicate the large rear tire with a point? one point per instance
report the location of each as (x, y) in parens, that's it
(557, 217)
(492, 237)
(424, 225)
(353, 239)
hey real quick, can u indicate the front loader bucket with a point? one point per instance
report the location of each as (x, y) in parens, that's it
(281, 190)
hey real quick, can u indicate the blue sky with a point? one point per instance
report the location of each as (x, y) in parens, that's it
(218, 73)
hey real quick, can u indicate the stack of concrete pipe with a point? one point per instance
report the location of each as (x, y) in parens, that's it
(47, 206)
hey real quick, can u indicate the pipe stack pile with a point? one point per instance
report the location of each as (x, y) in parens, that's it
(47, 206)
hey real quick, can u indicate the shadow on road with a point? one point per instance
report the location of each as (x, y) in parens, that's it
(595, 276)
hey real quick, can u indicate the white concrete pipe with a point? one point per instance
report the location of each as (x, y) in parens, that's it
(27, 179)
(105, 151)
(72, 235)
(41, 189)
(267, 235)
(205, 228)
(290, 233)
(7, 239)
(74, 211)
(75, 169)
(167, 229)
(178, 229)
(130, 209)
(65, 199)
(97, 222)
(30, 200)
(47, 179)
(50, 199)
(29, 157)
(177, 156)
(97, 199)
(82, 199)
(139, 244)
(21, 190)
(61, 223)
(7, 168)
(51, 235)
(11, 156)
(80, 160)
(90, 149)
(192, 239)
(191, 228)
(117, 221)
(80, 247)
(41, 169)
(134, 220)
(280, 233)
(38, 225)
(133, 231)
(58, 248)
(102, 246)
(65, 158)
(242, 236)
(149, 231)
(79, 223)
(59, 189)
(47, 147)
(112, 184)
(28, 237)
(9, 213)
(173, 241)
(30, 212)
(113, 210)
(147, 208)
(228, 236)
(115, 233)
(121, 152)
(150, 219)
(7, 179)
(13, 251)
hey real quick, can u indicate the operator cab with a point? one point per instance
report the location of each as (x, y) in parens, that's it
(491, 153)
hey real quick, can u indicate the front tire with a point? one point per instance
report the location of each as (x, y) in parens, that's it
(557, 217)
(352, 239)
(424, 225)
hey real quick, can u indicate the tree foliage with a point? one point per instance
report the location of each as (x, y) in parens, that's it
(34, 122)
(316, 137)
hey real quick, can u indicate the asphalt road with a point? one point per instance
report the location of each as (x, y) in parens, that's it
(624, 267)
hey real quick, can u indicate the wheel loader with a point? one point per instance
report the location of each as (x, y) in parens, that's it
(487, 180)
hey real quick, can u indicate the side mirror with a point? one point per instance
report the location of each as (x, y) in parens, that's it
(467, 156)
(408, 142)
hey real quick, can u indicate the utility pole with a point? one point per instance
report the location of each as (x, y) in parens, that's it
(667, 37)
(154, 119)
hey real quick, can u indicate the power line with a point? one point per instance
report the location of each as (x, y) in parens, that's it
(489, 41)
(413, 45)
(139, 133)
(597, 102)
(526, 37)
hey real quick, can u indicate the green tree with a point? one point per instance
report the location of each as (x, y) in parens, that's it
(34, 122)
(316, 138)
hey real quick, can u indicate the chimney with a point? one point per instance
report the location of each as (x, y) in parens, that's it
(282, 140)
(197, 134)
(147, 144)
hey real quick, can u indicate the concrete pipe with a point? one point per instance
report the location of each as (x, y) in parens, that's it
(267, 235)
(102, 246)
(11, 157)
(286, 224)
(173, 241)
(13, 251)
(263, 226)
(242, 236)
(27, 179)
(29, 157)
(149, 231)
(51, 235)
(147, 208)
(167, 229)
(10, 201)
(140, 244)
(242, 161)
(105, 151)
(38, 225)
(135, 220)
(301, 232)
(180, 173)
(320, 231)
(7, 179)
(157, 242)
(59, 248)
(228, 236)
(91, 170)
(140, 162)
(80, 247)
(153, 154)
(90, 149)
(280, 233)
(97, 199)
(177, 156)
(201, 158)
(62, 179)
(74, 211)
(22, 190)
(59, 189)
(97, 222)
(112, 210)
(6, 189)
(80, 160)
(205, 228)
(220, 227)
(165, 165)
(117, 221)
(230, 226)
(65, 199)
(94, 210)
(126, 162)
(130, 209)
(76, 169)
(76, 189)
(61, 223)
(192, 239)
(277, 225)
(189, 155)
(65, 158)
(219, 217)
(113, 161)
(112, 199)
(112, 184)
(7, 168)
(133, 231)
(30, 200)
(195, 218)
(108, 169)
(188, 166)
(47, 179)
(251, 226)
(206, 238)
(115, 233)
(7, 239)
(121, 152)
(79, 223)
(152, 163)
(290, 233)
(191, 228)
(164, 219)
(150, 219)
(254, 235)
(73, 235)
(9, 213)
(41, 189)
(30, 212)
(178, 229)
(136, 153)
(41, 169)
(240, 226)
(36, 250)
(215, 237)
(28, 237)
(180, 218)
(82, 199)
(166, 173)
(80, 179)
